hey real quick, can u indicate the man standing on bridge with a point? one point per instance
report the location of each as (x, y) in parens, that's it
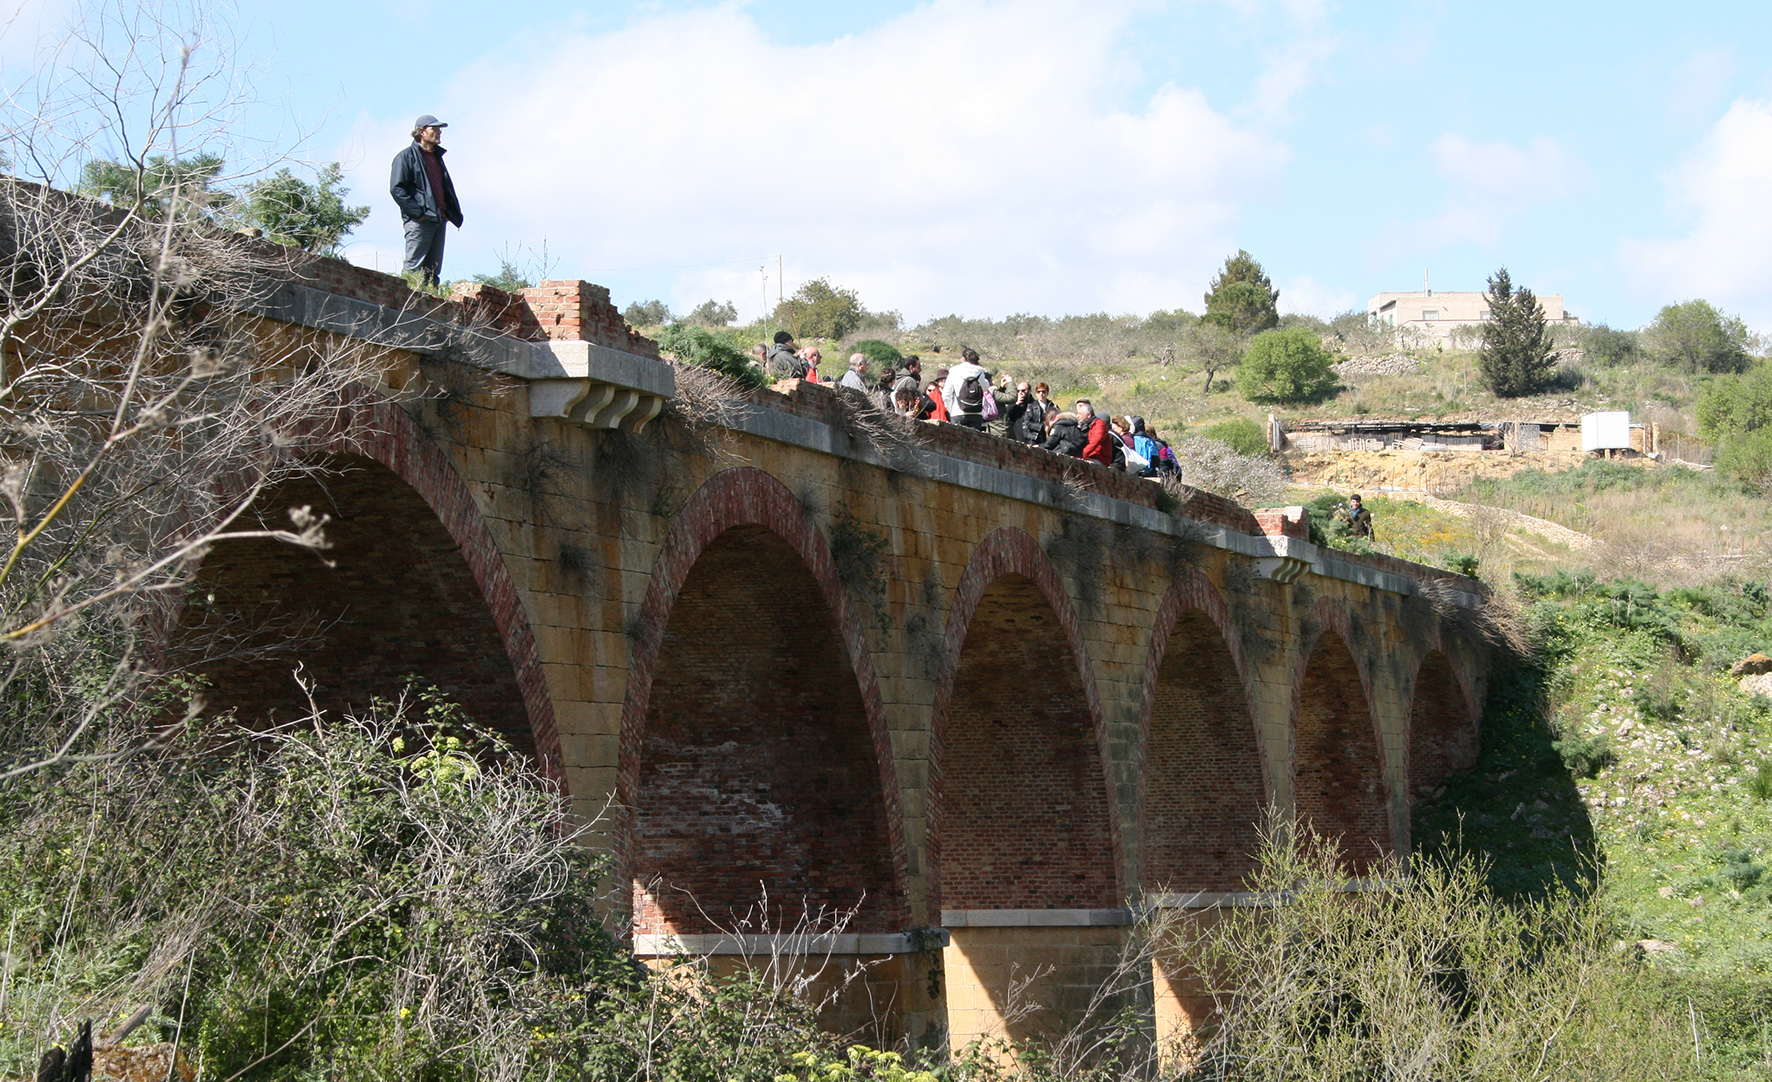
(426, 196)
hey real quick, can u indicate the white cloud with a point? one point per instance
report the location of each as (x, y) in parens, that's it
(1311, 297)
(970, 155)
(1494, 183)
(1726, 256)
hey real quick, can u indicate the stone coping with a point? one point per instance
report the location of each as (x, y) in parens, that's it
(1036, 918)
(753, 945)
(1242, 899)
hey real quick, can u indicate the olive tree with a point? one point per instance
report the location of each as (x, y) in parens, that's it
(1288, 365)
(1697, 337)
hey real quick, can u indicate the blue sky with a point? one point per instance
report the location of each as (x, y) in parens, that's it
(1059, 156)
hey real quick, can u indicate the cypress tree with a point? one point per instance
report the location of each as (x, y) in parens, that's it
(1243, 299)
(1516, 354)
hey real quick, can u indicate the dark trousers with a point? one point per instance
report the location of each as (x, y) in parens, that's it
(970, 420)
(424, 249)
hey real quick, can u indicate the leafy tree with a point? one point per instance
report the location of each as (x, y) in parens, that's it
(509, 278)
(881, 353)
(1735, 413)
(821, 310)
(158, 185)
(1609, 348)
(1285, 366)
(1243, 300)
(312, 217)
(711, 313)
(1697, 337)
(1516, 357)
(647, 314)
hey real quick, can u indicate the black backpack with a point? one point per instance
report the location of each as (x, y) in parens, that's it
(970, 395)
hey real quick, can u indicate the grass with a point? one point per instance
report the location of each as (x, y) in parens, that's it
(1628, 753)
(1674, 525)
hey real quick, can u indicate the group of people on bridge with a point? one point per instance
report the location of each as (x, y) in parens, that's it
(965, 394)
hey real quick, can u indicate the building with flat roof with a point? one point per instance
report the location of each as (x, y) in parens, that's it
(1437, 315)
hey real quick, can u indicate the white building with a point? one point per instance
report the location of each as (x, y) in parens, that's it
(1437, 315)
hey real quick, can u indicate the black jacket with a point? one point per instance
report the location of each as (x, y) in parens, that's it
(412, 189)
(1068, 437)
(1027, 421)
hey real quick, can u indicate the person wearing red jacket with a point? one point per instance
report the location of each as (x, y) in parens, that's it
(1097, 444)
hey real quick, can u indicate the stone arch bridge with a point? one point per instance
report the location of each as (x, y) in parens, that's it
(987, 702)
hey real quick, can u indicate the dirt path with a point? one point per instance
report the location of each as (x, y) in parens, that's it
(1519, 520)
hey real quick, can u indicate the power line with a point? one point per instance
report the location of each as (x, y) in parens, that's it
(680, 266)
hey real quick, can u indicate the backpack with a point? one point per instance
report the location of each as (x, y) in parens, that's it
(1127, 453)
(989, 408)
(970, 396)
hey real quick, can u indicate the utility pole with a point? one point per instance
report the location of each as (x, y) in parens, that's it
(763, 271)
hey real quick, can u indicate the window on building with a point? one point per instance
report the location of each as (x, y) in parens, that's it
(1430, 313)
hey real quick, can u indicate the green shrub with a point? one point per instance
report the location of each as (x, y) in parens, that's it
(1329, 529)
(1245, 435)
(1585, 756)
(1288, 365)
(708, 349)
(880, 353)
(1464, 563)
(1759, 783)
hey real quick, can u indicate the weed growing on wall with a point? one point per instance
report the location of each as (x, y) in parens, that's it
(859, 554)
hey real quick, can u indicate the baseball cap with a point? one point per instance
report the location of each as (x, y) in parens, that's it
(428, 121)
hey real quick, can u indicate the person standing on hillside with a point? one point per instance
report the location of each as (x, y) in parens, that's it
(1359, 520)
(421, 187)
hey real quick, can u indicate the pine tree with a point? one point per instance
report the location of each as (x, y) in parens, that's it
(1243, 299)
(1516, 354)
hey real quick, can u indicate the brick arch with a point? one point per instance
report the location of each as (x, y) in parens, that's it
(747, 509)
(1443, 729)
(1009, 568)
(1205, 785)
(1339, 765)
(368, 425)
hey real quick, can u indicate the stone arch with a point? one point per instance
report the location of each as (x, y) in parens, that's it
(787, 783)
(1338, 756)
(1017, 738)
(1205, 784)
(1443, 733)
(388, 471)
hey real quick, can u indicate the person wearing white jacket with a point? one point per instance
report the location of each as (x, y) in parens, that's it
(966, 411)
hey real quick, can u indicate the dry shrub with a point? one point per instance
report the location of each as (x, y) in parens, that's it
(1216, 467)
(1418, 972)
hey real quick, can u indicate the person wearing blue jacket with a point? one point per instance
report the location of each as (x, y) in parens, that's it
(421, 187)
